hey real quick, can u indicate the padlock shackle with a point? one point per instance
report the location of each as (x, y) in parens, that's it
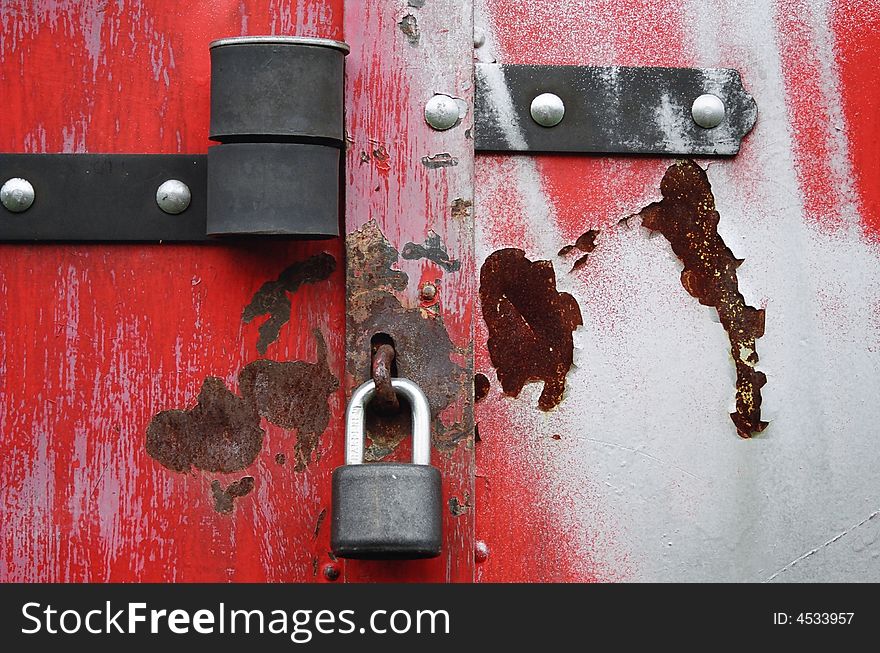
(421, 421)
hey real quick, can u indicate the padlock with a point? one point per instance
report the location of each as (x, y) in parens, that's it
(387, 510)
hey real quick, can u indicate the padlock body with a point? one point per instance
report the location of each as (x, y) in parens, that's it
(386, 511)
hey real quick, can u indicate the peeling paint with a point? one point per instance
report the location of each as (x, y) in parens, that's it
(409, 25)
(423, 349)
(585, 243)
(530, 324)
(434, 250)
(686, 216)
(459, 507)
(222, 432)
(272, 297)
(481, 386)
(441, 160)
(224, 499)
(320, 520)
(461, 208)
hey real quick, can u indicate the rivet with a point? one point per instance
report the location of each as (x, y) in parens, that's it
(479, 37)
(442, 112)
(708, 111)
(331, 571)
(173, 196)
(17, 194)
(547, 110)
(429, 292)
(481, 551)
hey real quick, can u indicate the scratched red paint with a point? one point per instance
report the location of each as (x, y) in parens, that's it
(98, 338)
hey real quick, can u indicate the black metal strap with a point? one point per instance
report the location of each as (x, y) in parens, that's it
(104, 197)
(615, 110)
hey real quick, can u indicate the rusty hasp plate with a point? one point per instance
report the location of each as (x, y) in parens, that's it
(613, 110)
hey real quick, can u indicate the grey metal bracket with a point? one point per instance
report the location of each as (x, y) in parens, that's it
(611, 110)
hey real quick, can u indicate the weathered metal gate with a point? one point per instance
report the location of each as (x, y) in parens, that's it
(611, 438)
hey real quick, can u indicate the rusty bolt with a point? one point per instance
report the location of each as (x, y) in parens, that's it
(481, 551)
(429, 292)
(385, 400)
(331, 571)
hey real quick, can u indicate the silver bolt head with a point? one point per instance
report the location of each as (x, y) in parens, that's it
(442, 112)
(17, 194)
(173, 196)
(708, 111)
(547, 110)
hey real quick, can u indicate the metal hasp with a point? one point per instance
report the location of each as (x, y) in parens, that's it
(387, 510)
(276, 107)
(611, 110)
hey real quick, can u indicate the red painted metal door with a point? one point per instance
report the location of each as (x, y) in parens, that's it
(136, 447)
(100, 342)
(632, 465)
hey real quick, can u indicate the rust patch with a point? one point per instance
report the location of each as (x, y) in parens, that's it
(458, 508)
(370, 275)
(530, 324)
(481, 386)
(409, 25)
(434, 250)
(442, 160)
(272, 297)
(461, 208)
(687, 217)
(224, 499)
(293, 395)
(585, 243)
(422, 346)
(221, 433)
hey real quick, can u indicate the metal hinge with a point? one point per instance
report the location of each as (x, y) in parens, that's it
(276, 110)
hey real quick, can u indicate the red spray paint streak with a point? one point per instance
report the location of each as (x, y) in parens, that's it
(856, 25)
(583, 192)
(96, 339)
(809, 113)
